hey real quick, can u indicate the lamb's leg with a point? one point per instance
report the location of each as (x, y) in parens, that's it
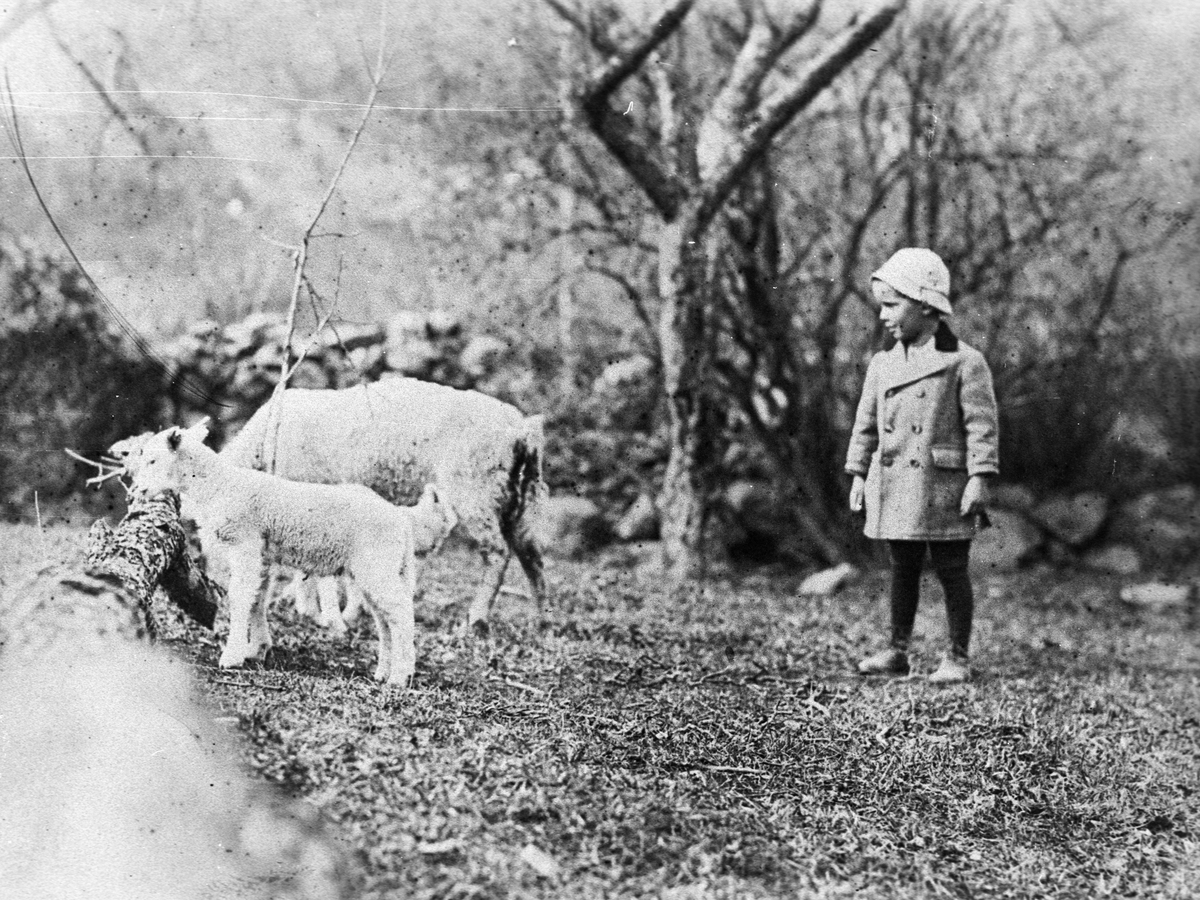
(260, 628)
(354, 602)
(245, 578)
(390, 599)
(329, 590)
(304, 590)
(403, 629)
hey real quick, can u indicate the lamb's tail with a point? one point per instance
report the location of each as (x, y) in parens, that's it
(522, 494)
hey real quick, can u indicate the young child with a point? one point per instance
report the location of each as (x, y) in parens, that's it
(923, 449)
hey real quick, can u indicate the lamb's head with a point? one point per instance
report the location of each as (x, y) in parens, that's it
(433, 520)
(128, 448)
(162, 461)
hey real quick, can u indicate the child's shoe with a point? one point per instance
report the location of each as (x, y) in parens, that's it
(953, 669)
(885, 662)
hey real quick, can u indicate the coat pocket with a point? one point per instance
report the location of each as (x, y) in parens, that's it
(949, 458)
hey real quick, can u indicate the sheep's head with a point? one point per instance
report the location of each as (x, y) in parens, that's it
(433, 520)
(155, 461)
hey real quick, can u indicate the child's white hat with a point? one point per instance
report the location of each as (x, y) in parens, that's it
(919, 274)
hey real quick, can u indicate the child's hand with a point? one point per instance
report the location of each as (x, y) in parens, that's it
(975, 496)
(858, 490)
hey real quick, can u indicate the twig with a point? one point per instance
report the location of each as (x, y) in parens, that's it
(247, 684)
(101, 476)
(520, 685)
(300, 261)
(710, 676)
(41, 534)
(737, 770)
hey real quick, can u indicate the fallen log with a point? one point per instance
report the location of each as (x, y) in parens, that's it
(149, 549)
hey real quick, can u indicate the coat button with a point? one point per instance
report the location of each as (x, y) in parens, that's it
(888, 428)
(914, 463)
(887, 461)
(921, 392)
(916, 429)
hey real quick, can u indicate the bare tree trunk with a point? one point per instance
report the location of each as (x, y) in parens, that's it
(681, 272)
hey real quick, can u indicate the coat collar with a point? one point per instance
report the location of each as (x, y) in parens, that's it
(900, 368)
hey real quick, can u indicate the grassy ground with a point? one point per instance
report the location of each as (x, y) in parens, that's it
(618, 746)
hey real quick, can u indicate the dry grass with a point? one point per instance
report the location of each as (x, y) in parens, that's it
(619, 747)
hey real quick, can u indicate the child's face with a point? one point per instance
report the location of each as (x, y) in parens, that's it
(904, 318)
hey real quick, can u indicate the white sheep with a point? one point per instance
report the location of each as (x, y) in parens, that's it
(399, 434)
(254, 518)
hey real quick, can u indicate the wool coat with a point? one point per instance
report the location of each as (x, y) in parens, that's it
(926, 422)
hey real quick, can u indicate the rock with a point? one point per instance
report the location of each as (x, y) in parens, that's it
(640, 522)
(619, 375)
(1177, 502)
(412, 357)
(829, 581)
(753, 523)
(1163, 526)
(1073, 520)
(1009, 543)
(571, 526)
(481, 354)
(351, 337)
(540, 861)
(1116, 559)
(1142, 434)
(1015, 497)
(644, 556)
(1157, 594)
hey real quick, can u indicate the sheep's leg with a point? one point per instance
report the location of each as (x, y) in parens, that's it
(329, 590)
(383, 657)
(245, 579)
(529, 555)
(485, 595)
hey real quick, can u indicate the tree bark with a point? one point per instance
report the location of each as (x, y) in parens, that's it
(681, 501)
(148, 549)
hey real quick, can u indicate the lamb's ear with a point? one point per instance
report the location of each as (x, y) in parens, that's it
(199, 431)
(174, 436)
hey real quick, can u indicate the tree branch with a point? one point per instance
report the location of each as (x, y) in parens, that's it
(765, 42)
(615, 130)
(779, 110)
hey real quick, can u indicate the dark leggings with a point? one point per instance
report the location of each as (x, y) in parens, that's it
(950, 565)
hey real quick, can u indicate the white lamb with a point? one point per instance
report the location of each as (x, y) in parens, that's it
(254, 518)
(399, 434)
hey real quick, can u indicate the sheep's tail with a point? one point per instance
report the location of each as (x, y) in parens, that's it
(522, 493)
